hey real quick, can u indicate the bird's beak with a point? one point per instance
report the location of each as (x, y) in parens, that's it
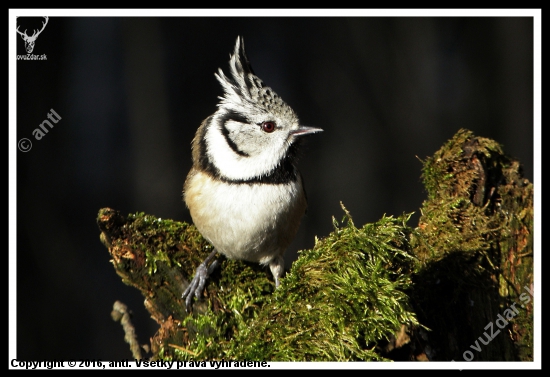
(303, 130)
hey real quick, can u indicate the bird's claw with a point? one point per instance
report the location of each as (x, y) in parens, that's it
(196, 286)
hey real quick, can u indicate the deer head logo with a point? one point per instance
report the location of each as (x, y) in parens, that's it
(30, 40)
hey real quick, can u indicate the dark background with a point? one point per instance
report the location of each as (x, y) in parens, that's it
(131, 93)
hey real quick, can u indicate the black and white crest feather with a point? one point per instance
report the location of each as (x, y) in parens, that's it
(244, 91)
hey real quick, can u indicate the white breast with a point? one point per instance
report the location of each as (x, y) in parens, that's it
(253, 222)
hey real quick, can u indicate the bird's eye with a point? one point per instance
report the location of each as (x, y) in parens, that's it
(268, 127)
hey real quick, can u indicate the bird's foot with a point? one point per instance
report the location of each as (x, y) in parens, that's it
(196, 285)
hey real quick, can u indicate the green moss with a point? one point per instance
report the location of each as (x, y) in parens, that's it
(338, 302)
(340, 299)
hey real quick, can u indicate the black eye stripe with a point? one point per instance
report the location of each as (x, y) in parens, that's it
(234, 116)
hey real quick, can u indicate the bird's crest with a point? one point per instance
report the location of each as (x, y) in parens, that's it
(246, 91)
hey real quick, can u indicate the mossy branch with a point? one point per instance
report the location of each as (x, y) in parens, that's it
(383, 291)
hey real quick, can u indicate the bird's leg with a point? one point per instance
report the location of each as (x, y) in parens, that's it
(277, 267)
(199, 281)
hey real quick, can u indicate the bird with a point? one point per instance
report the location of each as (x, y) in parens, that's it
(244, 192)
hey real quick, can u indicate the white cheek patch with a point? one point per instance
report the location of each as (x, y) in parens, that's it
(244, 137)
(238, 167)
(233, 127)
